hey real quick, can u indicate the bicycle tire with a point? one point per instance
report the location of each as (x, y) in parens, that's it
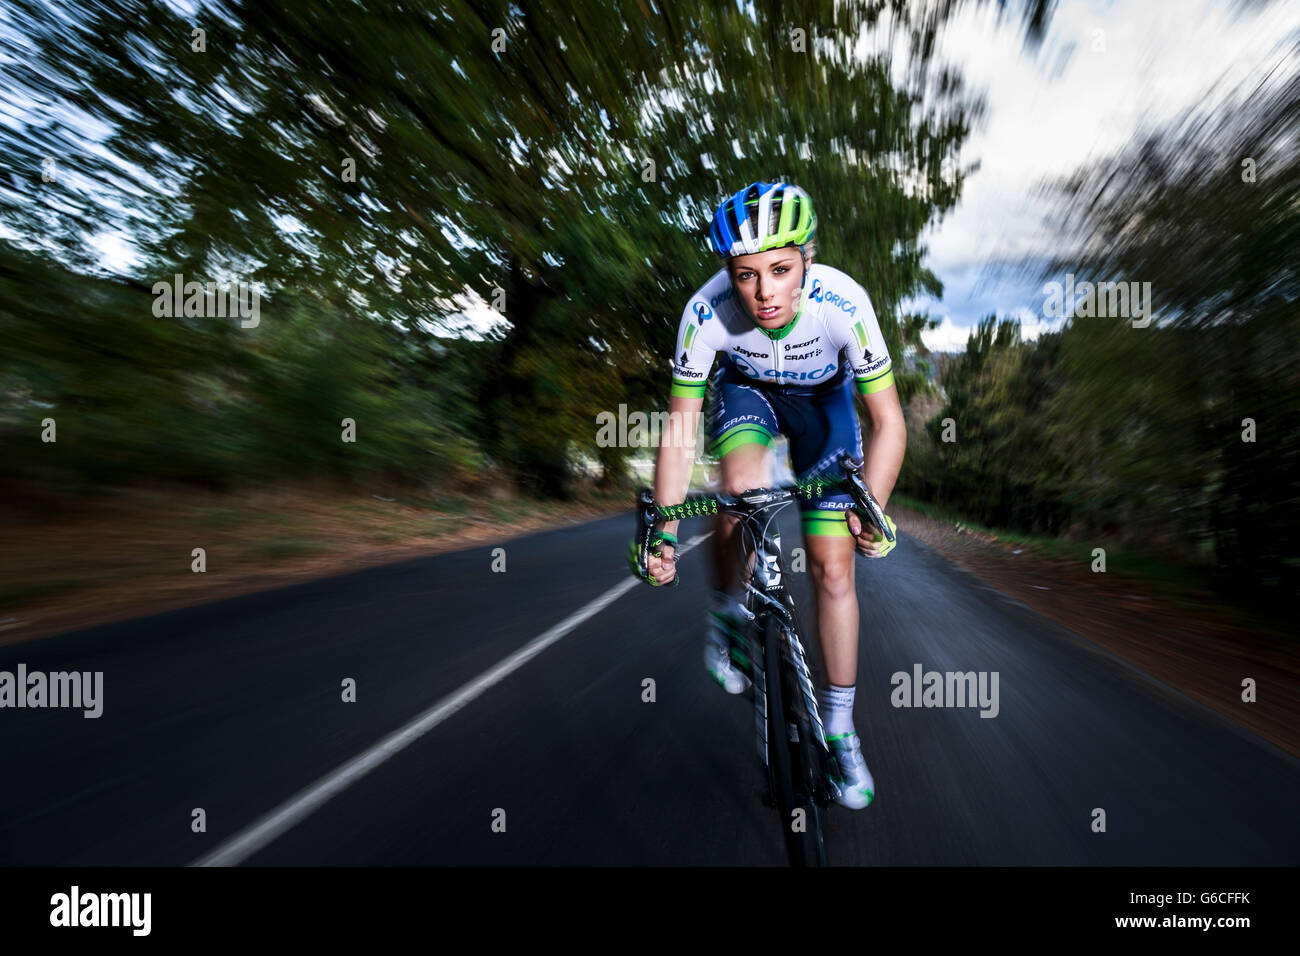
(810, 845)
(790, 764)
(807, 768)
(778, 737)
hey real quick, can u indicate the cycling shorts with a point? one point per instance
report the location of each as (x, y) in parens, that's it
(819, 423)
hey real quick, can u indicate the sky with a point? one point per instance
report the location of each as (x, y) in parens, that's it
(1051, 112)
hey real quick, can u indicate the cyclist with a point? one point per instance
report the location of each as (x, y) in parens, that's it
(795, 341)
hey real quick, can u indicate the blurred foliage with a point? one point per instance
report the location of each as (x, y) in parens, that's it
(1109, 430)
(558, 159)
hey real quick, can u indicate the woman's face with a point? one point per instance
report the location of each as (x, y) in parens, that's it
(768, 283)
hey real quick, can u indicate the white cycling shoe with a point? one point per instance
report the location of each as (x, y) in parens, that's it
(721, 658)
(850, 779)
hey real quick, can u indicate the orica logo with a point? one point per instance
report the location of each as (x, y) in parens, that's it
(744, 366)
(800, 376)
(834, 298)
(703, 312)
(723, 296)
(819, 294)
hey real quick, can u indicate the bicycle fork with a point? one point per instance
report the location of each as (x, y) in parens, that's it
(792, 654)
(766, 570)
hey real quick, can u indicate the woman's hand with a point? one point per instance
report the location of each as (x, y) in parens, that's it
(661, 561)
(869, 542)
(663, 566)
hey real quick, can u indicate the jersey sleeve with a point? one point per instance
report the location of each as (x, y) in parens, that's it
(693, 357)
(873, 371)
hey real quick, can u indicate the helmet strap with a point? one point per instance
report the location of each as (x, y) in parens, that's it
(803, 285)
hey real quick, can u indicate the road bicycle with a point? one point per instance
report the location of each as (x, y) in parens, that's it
(788, 724)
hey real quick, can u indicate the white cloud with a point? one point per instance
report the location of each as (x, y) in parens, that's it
(1051, 113)
(948, 337)
(951, 337)
(1032, 325)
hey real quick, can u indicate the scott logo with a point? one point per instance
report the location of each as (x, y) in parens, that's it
(802, 345)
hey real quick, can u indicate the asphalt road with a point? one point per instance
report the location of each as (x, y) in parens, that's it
(236, 707)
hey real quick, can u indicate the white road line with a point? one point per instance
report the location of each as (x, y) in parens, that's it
(306, 802)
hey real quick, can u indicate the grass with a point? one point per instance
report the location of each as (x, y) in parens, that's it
(221, 518)
(16, 593)
(105, 553)
(289, 548)
(1187, 584)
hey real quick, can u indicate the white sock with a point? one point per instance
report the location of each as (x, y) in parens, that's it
(837, 708)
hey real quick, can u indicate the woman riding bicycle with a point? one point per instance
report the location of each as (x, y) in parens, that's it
(797, 341)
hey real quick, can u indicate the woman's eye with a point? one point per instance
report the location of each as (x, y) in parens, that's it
(781, 269)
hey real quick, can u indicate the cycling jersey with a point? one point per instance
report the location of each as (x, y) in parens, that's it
(836, 319)
(793, 381)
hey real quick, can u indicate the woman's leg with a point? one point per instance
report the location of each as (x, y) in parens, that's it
(743, 468)
(830, 562)
(741, 427)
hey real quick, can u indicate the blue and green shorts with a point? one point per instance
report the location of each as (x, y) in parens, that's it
(819, 423)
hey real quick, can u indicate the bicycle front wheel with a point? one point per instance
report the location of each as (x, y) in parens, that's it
(791, 763)
(778, 736)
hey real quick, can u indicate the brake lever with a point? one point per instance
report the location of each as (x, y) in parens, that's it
(862, 496)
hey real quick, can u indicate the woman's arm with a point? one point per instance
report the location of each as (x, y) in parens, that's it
(676, 453)
(673, 474)
(887, 437)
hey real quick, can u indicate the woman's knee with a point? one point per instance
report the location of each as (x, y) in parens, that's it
(743, 469)
(832, 574)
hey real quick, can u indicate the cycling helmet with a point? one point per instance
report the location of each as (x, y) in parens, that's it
(762, 216)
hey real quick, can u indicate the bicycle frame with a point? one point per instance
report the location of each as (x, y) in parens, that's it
(797, 775)
(771, 597)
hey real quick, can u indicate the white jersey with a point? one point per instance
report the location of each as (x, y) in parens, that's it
(836, 326)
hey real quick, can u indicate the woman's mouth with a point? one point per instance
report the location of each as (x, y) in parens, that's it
(769, 312)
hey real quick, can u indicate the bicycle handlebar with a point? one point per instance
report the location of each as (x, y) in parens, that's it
(648, 513)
